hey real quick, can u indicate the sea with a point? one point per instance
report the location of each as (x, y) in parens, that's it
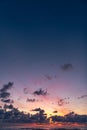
(43, 126)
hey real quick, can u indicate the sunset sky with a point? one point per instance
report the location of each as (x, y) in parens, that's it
(43, 52)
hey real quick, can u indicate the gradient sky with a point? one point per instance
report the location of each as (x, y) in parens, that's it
(38, 39)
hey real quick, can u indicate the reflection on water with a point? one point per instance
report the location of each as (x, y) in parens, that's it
(57, 126)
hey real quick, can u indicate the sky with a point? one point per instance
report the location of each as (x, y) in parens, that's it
(43, 52)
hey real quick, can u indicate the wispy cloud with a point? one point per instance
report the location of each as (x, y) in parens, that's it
(31, 100)
(50, 77)
(40, 92)
(67, 67)
(25, 90)
(83, 96)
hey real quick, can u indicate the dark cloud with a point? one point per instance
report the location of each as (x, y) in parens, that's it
(0, 106)
(3, 90)
(31, 100)
(8, 106)
(4, 95)
(16, 116)
(67, 67)
(63, 101)
(48, 77)
(6, 87)
(83, 96)
(55, 111)
(40, 92)
(7, 100)
(60, 102)
(70, 117)
(37, 109)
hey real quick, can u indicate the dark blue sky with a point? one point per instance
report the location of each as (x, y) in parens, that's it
(37, 34)
(42, 18)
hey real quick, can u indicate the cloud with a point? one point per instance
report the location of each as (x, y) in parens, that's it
(40, 92)
(83, 96)
(16, 116)
(8, 106)
(7, 100)
(55, 111)
(31, 100)
(6, 87)
(70, 117)
(4, 95)
(25, 91)
(60, 102)
(37, 109)
(0, 107)
(48, 77)
(63, 101)
(67, 67)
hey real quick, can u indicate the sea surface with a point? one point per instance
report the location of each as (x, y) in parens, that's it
(44, 126)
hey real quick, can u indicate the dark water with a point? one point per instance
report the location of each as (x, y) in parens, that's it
(33, 126)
